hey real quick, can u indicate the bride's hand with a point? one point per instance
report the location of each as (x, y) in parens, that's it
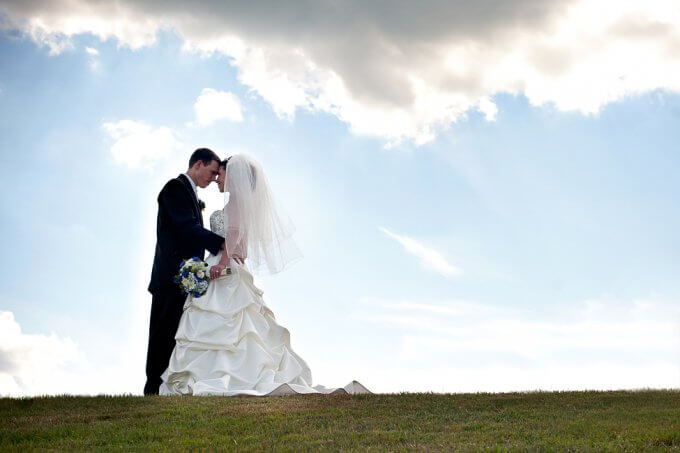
(216, 270)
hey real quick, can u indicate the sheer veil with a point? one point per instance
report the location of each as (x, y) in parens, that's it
(254, 226)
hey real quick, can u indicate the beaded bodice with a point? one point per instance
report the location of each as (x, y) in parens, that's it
(217, 222)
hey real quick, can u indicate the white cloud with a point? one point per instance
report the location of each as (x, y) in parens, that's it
(399, 70)
(36, 364)
(465, 346)
(138, 145)
(429, 258)
(93, 63)
(213, 105)
(488, 108)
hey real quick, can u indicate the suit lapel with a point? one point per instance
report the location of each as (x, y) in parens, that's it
(187, 185)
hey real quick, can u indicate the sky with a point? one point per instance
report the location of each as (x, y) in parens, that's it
(485, 195)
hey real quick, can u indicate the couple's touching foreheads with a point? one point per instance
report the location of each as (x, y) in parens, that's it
(223, 340)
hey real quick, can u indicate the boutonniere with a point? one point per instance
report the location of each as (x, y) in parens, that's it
(201, 205)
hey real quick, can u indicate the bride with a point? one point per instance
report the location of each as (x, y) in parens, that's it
(228, 341)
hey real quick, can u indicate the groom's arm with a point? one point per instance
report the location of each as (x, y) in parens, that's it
(177, 203)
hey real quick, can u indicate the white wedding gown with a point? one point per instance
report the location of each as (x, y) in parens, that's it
(228, 343)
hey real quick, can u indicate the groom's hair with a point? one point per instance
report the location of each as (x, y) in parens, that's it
(205, 155)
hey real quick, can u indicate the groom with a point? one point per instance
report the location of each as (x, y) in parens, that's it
(179, 235)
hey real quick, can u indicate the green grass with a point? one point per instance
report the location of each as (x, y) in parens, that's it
(639, 420)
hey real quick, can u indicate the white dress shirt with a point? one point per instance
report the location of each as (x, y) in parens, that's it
(193, 184)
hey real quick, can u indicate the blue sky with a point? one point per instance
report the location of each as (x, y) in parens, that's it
(534, 247)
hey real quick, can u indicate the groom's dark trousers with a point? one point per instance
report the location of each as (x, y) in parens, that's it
(179, 235)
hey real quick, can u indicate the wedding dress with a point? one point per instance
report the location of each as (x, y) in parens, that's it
(228, 343)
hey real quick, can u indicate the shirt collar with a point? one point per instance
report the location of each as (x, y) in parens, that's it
(193, 184)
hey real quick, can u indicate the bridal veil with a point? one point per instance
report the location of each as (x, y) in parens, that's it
(255, 227)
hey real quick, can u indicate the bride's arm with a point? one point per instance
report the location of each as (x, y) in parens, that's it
(236, 239)
(217, 269)
(235, 242)
(224, 259)
(238, 254)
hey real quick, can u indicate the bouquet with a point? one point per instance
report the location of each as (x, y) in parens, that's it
(193, 277)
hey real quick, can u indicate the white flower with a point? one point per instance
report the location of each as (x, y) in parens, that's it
(200, 274)
(189, 282)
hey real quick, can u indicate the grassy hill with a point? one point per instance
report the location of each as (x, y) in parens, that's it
(639, 420)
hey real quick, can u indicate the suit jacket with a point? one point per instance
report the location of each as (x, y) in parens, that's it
(179, 232)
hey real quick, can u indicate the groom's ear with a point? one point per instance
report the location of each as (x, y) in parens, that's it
(197, 165)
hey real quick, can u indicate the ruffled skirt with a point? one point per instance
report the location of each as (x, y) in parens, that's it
(228, 343)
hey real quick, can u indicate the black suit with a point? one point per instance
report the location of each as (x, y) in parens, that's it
(179, 235)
